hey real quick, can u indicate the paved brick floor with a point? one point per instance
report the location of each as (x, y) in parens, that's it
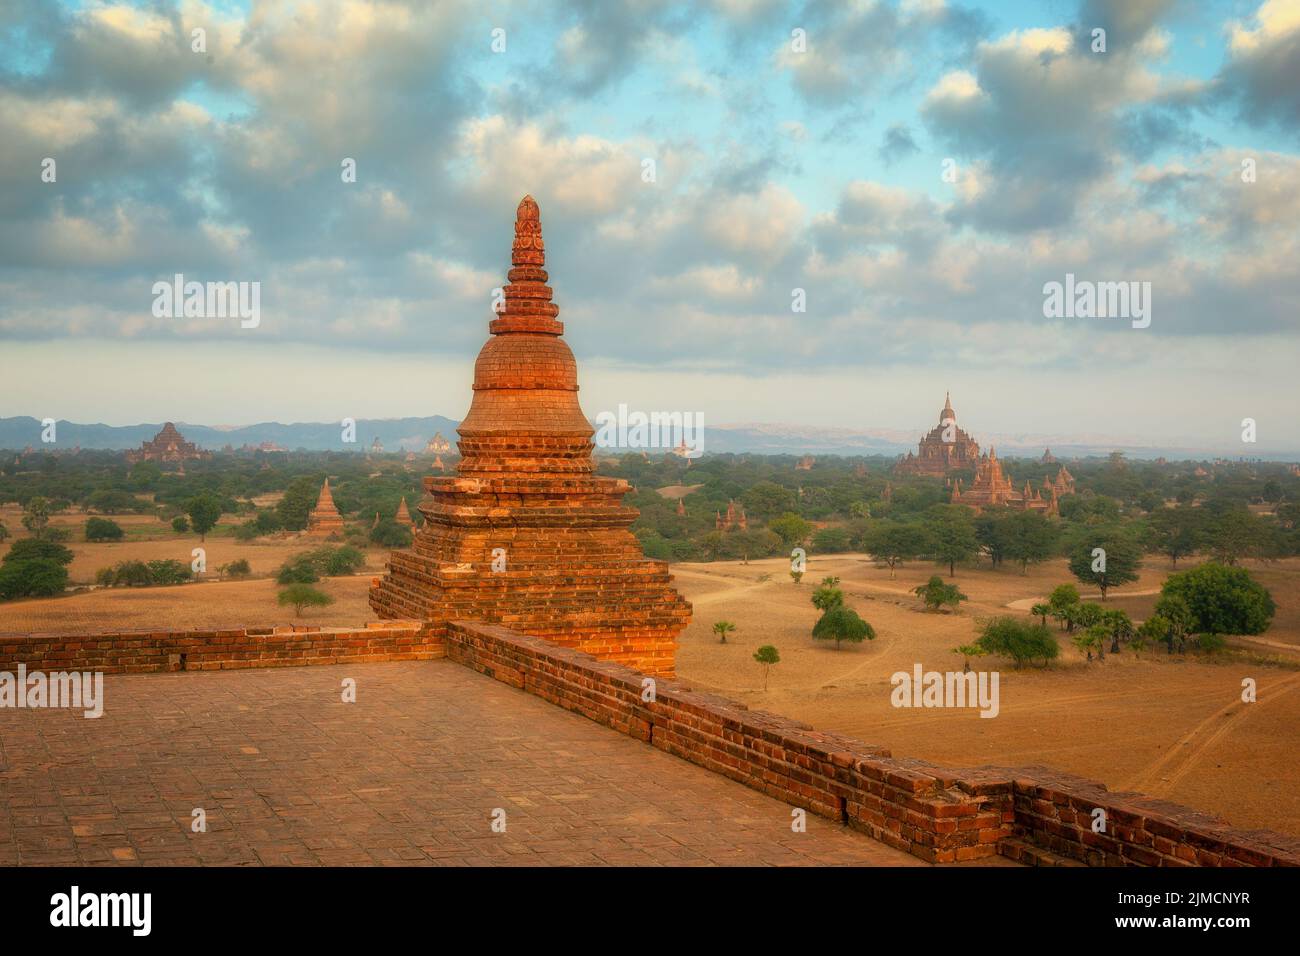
(411, 773)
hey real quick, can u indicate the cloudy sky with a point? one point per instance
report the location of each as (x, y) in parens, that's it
(794, 146)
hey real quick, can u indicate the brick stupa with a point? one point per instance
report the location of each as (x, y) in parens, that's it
(403, 515)
(325, 518)
(526, 499)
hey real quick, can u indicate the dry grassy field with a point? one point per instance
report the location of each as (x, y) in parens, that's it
(1171, 727)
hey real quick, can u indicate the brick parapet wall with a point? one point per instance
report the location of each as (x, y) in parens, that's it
(938, 814)
(136, 652)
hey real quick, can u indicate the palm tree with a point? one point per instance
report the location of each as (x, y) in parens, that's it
(1041, 611)
(721, 628)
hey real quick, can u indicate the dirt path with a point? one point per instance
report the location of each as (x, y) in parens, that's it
(1179, 761)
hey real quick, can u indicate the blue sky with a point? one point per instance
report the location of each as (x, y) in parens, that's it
(776, 168)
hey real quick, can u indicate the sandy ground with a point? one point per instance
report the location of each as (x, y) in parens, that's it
(1170, 727)
(186, 607)
(148, 539)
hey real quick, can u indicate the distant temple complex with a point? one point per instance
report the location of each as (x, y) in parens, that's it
(168, 445)
(325, 518)
(946, 448)
(437, 445)
(734, 520)
(992, 489)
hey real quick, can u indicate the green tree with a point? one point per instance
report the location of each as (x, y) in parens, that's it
(32, 577)
(4, 532)
(300, 569)
(1222, 599)
(1179, 621)
(766, 499)
(1091, 639)
(1105, 558)
(827, 595)
(36, 517)
(993, 531)
(722, 629)
(936, 594)
(951, 533)
(204, 511)
(1118, 625)
(389, 534)
(299, 498)
(967, 651)
(1175, 532)
(1234, 533)
(38, 549)
(892, 542)
(1030, 538)
(840, 623)
(791, 528)
(1017, 639)
(101, 529)
(1041, 611)
(303, 595)
(767, 655)
(830, 541)
(181, 524)
(111, 501)
(1154, 630)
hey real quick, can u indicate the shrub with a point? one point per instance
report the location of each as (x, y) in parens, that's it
(169, 572)
(342, 560)
(1222, 599)
(841, 623)
(936, 594)
(390, 534)
(303, 595)
(101, 529)
(239, 568)
(298, 570)
(32, 577)
(180, 524)
(1018, 639)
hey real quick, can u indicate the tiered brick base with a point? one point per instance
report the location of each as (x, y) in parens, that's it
(526, 534)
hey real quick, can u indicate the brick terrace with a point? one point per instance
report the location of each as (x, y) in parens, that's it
(289, 774)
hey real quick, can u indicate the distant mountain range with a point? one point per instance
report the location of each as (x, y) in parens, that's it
(396, 434)
(411, 434)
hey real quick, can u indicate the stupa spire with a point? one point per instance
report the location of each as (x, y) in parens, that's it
(527, 306)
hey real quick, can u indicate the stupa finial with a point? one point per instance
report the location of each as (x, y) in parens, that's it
(529, 250)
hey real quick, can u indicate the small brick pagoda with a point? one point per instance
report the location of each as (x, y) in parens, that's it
(325, 518)
(403, 515)
(168, 445)
(525, 534)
